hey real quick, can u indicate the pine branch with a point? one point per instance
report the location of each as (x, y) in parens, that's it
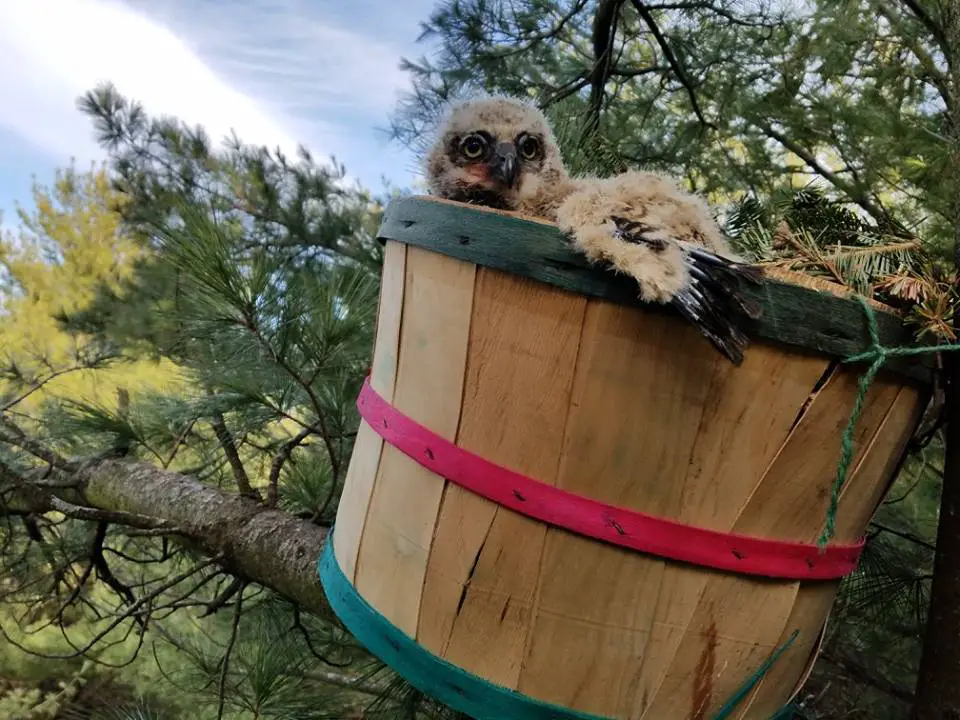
(8, 473)
(131, 612)
(78, 512)
(39, 383)
(860, 673)
(936, 77)
(857, 195)
(927, 20)
(550, 34)
(104, 573)
(672, 60)
(233, 457)
(604, 35)
(12, 434)
(281, 458)
(855, 267)
(904, 535)
(261, 544)
(284, 364)
(223, 598)
(222, 690)
(716, 10)
(356, 683)
(873, 250)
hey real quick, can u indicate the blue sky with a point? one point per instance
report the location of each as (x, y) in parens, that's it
(323, 73)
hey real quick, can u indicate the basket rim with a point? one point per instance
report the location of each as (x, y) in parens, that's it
(803, 312)
(784, 275)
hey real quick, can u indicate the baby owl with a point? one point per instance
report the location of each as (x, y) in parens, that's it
(500, 152)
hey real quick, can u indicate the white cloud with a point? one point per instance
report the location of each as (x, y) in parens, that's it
(54, 50)
(295, 54)
(323, 73)
(308, 59)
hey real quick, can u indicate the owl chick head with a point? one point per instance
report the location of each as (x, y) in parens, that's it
(496, 151)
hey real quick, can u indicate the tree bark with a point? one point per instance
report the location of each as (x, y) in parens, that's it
(604, 32)
(258, 543)
(938, 688)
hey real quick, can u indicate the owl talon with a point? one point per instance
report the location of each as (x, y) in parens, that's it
(634, 232)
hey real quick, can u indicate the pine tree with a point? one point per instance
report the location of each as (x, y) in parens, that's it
(826, 135)
(254, 277)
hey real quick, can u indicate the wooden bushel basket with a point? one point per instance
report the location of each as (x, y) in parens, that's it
(498, 337)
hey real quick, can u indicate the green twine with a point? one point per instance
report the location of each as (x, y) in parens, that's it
(877, 355)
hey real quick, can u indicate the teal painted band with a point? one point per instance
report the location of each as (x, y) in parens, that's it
(730, 705)
(787, 712)
(428, 673)
(434, 676)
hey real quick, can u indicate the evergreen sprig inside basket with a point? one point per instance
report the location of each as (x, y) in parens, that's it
(805, 231)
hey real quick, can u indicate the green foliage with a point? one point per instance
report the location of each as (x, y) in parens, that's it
(77, 693)
(211, 310)
(267, 211)
(871, 653)
(255, 280)
(309, 488)
(67, 249)
(736, 98)
(803, 230)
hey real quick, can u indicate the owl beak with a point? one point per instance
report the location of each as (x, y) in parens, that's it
(504, 166)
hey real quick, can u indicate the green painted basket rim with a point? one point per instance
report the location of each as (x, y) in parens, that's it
(798, 316)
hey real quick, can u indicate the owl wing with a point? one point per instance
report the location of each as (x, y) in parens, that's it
(645, 228)
(713, 301)
(711, 297)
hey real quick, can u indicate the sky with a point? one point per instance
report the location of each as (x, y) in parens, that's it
(322, 73)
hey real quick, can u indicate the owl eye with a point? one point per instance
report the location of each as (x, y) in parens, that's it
(473, 147)
(529, 147)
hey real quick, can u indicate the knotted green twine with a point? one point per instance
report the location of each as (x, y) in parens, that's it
(877, 355)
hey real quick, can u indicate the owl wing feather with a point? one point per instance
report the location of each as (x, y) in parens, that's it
(711, 298)
(713, 302)
(648, 229)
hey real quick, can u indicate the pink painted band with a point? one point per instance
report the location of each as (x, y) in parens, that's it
(627, 528)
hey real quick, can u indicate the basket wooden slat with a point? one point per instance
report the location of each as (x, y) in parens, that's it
(627, 405)
(399, 523)
(809, 314)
